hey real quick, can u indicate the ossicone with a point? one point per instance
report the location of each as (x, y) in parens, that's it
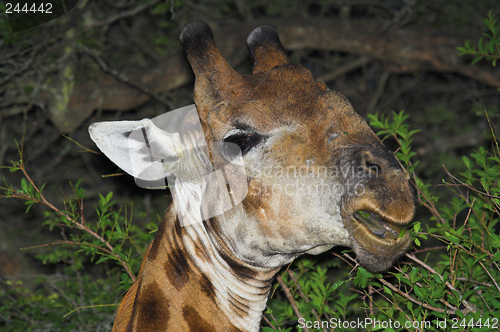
(266, 49)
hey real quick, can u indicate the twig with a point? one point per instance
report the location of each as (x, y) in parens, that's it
(445, 240)
(428, 202)
(290, 298)
(361, 61)
(109, 252)
(468, 186)
(370, 300)
(80, 318)
(452, 263)
(295, 281)
(420, 285)
(378, 93)
(474, 282)
(269, 322)
(91, 307)
(408, 297)
(83, 147)
(470, 306)
(122, 77)
(393, 303)
(428, 249)
(490, 276)
(42, 200)
(25, 66)
(129, 13)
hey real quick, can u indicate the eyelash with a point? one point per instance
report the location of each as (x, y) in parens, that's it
(245, 141)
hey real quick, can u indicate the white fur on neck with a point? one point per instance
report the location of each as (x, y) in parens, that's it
(228, 286)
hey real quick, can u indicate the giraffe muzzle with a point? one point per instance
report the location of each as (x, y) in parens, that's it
(377, 225)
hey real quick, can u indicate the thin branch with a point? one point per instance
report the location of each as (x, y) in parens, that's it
(393, 303)
(408, 297)
(378, 93)
(83, 147)
(23, 68)
(468, 186)
(83, 244)
(474, 281)
(121, 77)
(290, 298)
(80, 225)
(122, 15)
(420, 285)
(428, 249)
(359, 62)
(269, 322)
(295, 281)
(491, 277)
(469, 306)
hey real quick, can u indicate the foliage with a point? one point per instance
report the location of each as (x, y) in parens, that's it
(489, 49)
(451, 287)
(5, 30)
(48, 307)
(77, 301)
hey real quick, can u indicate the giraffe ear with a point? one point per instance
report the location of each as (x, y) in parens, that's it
(140, 148)
(214, 78)
(266, 49)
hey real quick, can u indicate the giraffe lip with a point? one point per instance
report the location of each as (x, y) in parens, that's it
(377, 225)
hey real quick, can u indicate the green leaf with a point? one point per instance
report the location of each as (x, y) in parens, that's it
(108, 196)
(491, 46)
(402, 233)
(160, 9)
(476, 60)
(24, 186)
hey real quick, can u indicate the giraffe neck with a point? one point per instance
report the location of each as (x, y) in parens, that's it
(191, 282)
(241, 290)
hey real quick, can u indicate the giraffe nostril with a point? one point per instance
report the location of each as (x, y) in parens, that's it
(371, 163)
(373, 167)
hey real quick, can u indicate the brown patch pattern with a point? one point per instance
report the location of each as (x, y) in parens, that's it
(153, 252)
(152, 309)
(195, 322)
(207, 288)
(177, 268)
(326, 131)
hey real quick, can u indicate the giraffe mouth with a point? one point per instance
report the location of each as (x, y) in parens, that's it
(377, 225)
(372, 230)
(378, 240)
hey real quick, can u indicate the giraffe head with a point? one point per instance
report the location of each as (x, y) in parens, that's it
(315, 174)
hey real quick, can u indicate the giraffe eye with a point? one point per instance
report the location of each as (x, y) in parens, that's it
(245, 141)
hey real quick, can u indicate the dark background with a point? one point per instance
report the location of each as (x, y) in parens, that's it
(110, 60)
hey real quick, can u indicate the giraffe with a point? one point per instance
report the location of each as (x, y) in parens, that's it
(315, 177)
